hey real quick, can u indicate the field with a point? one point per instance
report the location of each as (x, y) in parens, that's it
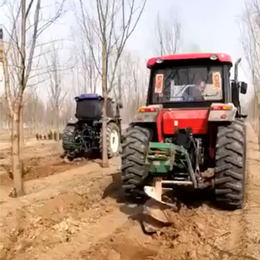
(77, 212)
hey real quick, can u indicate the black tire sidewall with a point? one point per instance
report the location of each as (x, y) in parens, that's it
(68, 136)
(134, 171)
(229, 136)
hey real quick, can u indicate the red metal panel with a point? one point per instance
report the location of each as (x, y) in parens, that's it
(196, 119)
(159, 125)
(222, 57)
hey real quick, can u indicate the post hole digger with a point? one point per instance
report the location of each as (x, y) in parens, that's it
(192, 122)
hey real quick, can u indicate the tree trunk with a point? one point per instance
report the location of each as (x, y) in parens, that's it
(57, 119)
(21, 135)
(16, 160)
(104, 110)
(104, 136)
(11, 127)
(258, 119)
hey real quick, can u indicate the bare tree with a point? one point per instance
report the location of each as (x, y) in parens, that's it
(133, 79)
(87, 67)
(34, 111)
(57, 93)
(68, 110)
(2, 3)
(4, 114)
(251, 39)
(3, 60)
(111, 24)
(168, 34)
(24, 41)
(251, 45)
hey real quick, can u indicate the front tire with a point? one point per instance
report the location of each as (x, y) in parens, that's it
(230, 165)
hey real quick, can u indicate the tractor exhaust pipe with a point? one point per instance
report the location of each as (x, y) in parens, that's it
(1, 45)
(236, 69)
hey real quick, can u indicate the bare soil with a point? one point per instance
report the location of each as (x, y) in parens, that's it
(40, 159)
(80, 214)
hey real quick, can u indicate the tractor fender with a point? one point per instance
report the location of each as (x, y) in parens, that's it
(72, 121)
(151, 120)
(145, 117)
(220, 112)
(109, 120)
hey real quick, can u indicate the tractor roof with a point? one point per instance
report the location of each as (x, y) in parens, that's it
(222, 57)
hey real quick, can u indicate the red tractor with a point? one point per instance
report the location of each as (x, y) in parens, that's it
(192, 123)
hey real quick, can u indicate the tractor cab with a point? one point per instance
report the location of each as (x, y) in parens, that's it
(193, 80)
(192, 90)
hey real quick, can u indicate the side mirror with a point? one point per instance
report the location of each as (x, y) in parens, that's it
(233, 85)
(120, 105)
(243, 87)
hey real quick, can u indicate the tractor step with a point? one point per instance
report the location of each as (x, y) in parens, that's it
(178, 182)
(155, 192)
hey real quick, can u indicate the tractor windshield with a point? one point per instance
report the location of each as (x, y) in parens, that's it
(184, 84)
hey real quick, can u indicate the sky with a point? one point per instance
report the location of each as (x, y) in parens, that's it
(211, 25)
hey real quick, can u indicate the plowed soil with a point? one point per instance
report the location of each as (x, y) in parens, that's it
(80, 214)
(40, 159)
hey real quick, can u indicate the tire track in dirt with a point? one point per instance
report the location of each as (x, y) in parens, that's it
(45, 188)
(233, 235)
(61, 217)
(243, 241)
(89, 235)
(94, 227)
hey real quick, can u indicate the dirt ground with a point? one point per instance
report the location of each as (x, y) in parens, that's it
(40, 159)
(80, 214)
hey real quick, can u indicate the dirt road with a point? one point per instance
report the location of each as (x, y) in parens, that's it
(80, 214)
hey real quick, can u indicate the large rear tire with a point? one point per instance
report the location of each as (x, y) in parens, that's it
(68, 136)
(68, 141)
(113, 140)
(134, 150)
(230, 165)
